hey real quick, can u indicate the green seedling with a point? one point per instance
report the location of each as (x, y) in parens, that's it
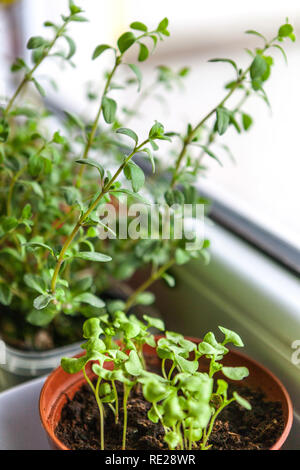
(186, 401)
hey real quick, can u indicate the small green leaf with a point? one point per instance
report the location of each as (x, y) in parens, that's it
(136, 175)
(242, 401)
(150, 155)
(186, 366)
(137, 25)
(41, 318)
(222, 388)
(201, 411)
(133, 366)
(93, 163)
(42, 301)
(247, 121)
(285, 30)
(109, 109)
(231, 337)
(235, 373)
(125, 41)
(8, 223)
(129, 132)
(145, 298)
(74, 120)
(5, 295)
(154, 322)
(73, 365)
(152, 415)
(181, 256)
(144, 53)
(223, 118)
(39, 245)
(39, 88)
(154, 391)
(255, 33)
(207, 349)
(4, 130)
(258, 67)
(163, 25)
(229, 61)
(156, 131)
(90, 299)
(36, 42)
(92, 328)
(99, 50)
(72, 47)
(93, 256)
(137, 72)
(35, 282)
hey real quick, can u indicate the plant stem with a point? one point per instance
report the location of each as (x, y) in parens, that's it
(154, 276)
(212, 422)
(211, 135)
(101, 412)
(99, 403)
(125, 398)
(171, 371)
(11, 189)
(28, 76)
(193, 132)
(163, 369)
(96, 121)
(84, 216)
(117, 401)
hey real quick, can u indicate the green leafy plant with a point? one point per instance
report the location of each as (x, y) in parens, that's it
(39, 200)
(188, 165)
(185, 400)
(54, 267)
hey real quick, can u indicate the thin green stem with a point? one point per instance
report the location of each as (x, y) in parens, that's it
(212, 133)
(125, 412)
(84, 216)
(194, 131)
(212, 422)
(92, 134)
(28, 76)
(101, 412)
(171, 371)
(154, 277)
(116, 401)
(11, 189)
(163, 368)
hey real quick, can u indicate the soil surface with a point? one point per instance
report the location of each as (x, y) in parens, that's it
(236, 428)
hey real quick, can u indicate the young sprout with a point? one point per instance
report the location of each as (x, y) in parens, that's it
(184, 401)
(125, 355)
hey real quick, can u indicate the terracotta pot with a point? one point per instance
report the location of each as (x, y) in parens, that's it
(59, 385)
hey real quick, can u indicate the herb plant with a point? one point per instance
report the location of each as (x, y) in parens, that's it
(54, 267)
(185, 400)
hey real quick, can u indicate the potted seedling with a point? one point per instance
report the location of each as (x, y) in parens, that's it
(145, 392)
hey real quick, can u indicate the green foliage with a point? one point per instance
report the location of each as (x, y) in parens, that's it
(55, 267)
(185, 401)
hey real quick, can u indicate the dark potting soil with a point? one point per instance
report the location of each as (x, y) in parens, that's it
(236, 428)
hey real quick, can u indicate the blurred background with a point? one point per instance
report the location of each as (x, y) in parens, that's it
(263, 184)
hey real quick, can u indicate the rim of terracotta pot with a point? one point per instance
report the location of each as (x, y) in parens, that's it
(271, 385)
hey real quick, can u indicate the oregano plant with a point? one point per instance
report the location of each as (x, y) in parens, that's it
(55, 268)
